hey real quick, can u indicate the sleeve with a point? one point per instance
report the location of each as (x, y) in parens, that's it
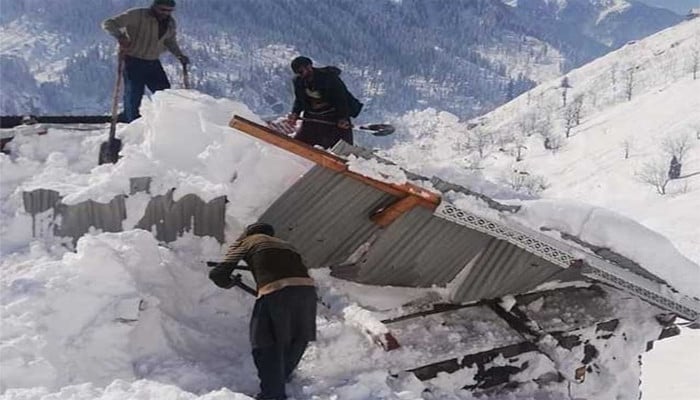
(236, 252)
(337, 96)
(171, 41)
(297, 108)
(117, 26)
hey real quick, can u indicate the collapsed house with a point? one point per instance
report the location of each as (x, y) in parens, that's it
(520, 306)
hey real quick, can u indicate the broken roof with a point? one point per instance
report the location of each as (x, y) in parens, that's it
(404, 232)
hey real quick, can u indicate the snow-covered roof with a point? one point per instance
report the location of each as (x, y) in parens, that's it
(469, 244)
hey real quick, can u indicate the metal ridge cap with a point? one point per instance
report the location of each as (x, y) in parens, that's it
(653, 292)
(559, 253)
(564, 255)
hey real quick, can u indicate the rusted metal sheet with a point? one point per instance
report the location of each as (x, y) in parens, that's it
(190, 213)
(170, 218)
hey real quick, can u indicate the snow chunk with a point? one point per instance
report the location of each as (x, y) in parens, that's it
(374, 169)
(604, 228)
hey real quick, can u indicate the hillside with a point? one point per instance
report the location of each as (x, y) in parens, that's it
(633, 101)
(465, 56)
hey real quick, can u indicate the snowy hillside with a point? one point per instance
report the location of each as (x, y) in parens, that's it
(462, 56)
(612, 22)
(632, 104)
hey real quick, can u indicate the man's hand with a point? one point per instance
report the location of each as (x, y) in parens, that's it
(184, 59)
(292, 118)
(221, 276)
(124, 43)
(344, 124)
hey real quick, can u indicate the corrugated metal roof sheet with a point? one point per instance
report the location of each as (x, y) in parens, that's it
(170, 218)
(326, 216)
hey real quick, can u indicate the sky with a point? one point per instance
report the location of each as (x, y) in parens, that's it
(679, 6)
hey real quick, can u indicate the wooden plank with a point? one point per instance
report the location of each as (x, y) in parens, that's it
(423, 197)
(384, 217)
(301, 149)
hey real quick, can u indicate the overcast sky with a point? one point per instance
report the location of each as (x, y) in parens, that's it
(679, 6)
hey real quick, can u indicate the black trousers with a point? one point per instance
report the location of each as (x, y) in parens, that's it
(322, 134)
(282, 325)
(138, 74)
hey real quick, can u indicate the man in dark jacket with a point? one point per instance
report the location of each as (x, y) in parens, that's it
(143, 34)
(284, 315)
(326, 103)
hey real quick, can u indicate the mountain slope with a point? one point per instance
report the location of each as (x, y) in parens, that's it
(632, 100)
(464, 56)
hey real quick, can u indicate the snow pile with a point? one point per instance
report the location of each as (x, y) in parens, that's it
(372, 168)
(607, 229)
(124, 316)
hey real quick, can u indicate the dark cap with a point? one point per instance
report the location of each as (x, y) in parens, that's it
(300, 62)
(260, 227)
(168, 3)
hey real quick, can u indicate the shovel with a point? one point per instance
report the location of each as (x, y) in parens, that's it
(236, 279)
(185, 76)
(374, 129)
(109, 150)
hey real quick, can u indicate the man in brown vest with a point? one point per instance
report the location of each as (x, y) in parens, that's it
(284, 315)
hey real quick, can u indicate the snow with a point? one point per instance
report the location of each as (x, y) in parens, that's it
(123, 316)
(591, 166)
(603, 228)
(372, 168)
(613, 6)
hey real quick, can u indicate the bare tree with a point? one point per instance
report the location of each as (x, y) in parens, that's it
(552, 141)
(523, 181)
(627, 146)
(695, 61)
(655, 174)
(569, 119)
(480, 139)
(629, 82)
(613, 80)
(577, 105)
(565, 86)
(520, 147)
(528, 123)
(677, 146)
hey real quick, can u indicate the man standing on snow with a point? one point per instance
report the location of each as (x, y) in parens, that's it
(284, 315)
(326, 103)
(143, 34)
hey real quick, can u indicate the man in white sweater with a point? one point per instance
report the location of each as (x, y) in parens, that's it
(143, 35)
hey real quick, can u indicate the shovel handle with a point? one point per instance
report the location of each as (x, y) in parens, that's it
(185, 76)
(115, 98)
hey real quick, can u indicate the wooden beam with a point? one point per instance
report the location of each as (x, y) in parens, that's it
(422, 197)
(386, 216)
(322, 158)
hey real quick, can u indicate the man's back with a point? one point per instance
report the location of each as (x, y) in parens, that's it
(270, 259)
(146, 34)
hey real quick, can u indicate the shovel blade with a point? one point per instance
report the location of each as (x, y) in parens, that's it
(378, 129)
(109, 151)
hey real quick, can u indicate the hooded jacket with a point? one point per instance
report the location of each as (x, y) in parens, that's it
(332, 89)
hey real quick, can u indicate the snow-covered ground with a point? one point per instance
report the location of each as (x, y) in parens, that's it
(121, 316)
